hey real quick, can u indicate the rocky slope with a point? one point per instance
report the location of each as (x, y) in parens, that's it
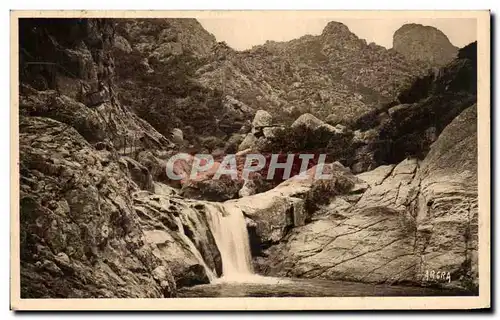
(334, 74)
(417, 42)
(396, 223)
(408, 126)
(94, 220)
(387, 134)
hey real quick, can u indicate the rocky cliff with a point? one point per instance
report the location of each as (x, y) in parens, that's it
(94, 220)
(417, 42)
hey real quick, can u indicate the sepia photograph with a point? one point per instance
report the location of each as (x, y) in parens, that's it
(205, 159)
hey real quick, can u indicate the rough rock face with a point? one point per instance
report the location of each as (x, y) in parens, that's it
(405, 220)
(448, 201)
(90, 225)
(80, 235)
(390, 185)
(163, 38)
(157, 78)
(173, 226)
(69, 55)
(82, 232)
(424, 43)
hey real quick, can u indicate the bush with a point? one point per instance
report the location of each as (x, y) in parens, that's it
(211, 143)
(337, 147)
(323, 191)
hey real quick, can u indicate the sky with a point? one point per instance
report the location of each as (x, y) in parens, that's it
(243, 33)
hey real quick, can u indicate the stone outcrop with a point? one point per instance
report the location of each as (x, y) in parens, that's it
(403, 220)
(424, 43)
(173, 226)
(447, 219)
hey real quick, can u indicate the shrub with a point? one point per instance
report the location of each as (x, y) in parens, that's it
(211, 143)
(302, 139)
(323, 191)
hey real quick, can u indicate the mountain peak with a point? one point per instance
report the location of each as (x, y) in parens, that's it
(334, 27)
(424, 43)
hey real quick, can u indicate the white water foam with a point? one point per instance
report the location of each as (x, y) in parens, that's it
(229, 229)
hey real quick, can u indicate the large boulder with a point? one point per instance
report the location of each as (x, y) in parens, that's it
(277, 210)
(307, 120)
(369, 245)
(261, 129)
(177, 136)
(262, 119)
(210, 189)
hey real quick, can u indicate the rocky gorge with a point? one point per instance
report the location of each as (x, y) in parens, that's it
(104, 103)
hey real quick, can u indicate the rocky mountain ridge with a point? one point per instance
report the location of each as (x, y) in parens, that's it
(332, 73)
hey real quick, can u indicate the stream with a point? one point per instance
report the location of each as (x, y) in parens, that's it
(287, 287)
(228, 227)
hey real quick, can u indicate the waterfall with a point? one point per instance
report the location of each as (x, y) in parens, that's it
(229, 229)
(210, 274)
(228, 226)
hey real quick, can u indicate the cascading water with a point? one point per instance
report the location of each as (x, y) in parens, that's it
(229, 229)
